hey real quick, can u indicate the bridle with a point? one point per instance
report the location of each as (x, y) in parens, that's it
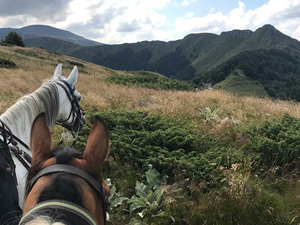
(68, 206)
(76, 111)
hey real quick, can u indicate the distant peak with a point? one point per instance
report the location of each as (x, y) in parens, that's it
(237, 33)
(268, 26)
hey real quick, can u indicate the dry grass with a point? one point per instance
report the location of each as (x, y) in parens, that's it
(36, 65)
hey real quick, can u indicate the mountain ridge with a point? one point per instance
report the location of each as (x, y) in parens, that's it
(194, 54)
(40, 31)
(199, 57)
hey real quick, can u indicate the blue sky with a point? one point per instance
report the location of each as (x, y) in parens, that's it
(115, 21)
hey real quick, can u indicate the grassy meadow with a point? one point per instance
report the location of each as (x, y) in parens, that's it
(217, 158)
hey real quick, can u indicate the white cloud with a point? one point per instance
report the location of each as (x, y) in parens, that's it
(283, 14)
(188, 2)
(185, 3)
(212, 10)
(189, 14)
(115, 21)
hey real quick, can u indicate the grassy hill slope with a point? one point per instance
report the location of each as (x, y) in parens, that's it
(216, 157)
(242, 85)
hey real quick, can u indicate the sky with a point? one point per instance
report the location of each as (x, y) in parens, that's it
(130, 21)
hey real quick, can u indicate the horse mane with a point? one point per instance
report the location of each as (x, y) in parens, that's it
(63, 187)
(45, 99)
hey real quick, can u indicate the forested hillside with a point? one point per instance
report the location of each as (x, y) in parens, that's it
(277, 70)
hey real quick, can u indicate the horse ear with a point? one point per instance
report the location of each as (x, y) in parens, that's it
(40, 139)
(73, 76)
(58, 71)
(97, 146)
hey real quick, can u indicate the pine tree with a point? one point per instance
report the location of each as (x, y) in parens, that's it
(14, 39)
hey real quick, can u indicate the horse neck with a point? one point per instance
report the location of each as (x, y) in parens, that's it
(20, 116)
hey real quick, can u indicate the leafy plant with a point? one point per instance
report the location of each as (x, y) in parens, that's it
(146, 204)
(210, 115)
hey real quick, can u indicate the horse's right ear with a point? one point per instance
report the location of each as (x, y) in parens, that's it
(40, 139)
(97, 147)
(73, 76)
(58, 71)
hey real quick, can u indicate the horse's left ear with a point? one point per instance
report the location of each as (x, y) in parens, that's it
(40, 140)
(73, 76)
(58, 72)
(97, 147)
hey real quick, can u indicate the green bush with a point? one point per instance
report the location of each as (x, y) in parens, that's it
(276, 145)
(249, 203)
(138, 139)
(5, 63)
(150, 80)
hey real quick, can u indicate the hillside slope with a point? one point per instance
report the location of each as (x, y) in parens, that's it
(98, 92)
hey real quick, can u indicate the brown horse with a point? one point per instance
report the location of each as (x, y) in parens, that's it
(62, 186)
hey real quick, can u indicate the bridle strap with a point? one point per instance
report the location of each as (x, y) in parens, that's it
(63, 205)
(58, 168)
(76, 109)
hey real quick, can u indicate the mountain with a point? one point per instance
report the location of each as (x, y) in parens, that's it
(186, 58)
(265, 55)
(41, 31)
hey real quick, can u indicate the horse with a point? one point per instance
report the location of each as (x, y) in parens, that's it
(64, 187)
(59, 99)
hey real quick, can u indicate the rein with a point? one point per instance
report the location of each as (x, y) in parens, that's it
(59, 168)
(10, 138)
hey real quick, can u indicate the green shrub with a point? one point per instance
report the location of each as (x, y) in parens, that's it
(138, 139)
(5, 63)
(150, 80)
(276, 145)
(74, 63)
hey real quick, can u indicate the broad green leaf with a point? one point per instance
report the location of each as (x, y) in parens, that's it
(138, 201)
(152, 177)
(156, 197)
(135, 221)
(142, 190)
(135, 206)
(117, 201)
(160, 214)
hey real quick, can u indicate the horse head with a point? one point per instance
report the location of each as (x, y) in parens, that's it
(63, 186)
(70, 113)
